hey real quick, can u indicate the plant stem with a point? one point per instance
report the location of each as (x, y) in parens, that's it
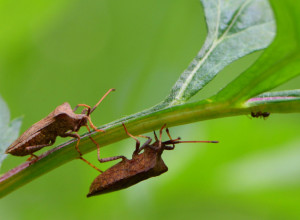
(139, 123)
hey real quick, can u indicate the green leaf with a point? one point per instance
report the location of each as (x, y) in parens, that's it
(278, 64)
(235, 28)
(9, 131)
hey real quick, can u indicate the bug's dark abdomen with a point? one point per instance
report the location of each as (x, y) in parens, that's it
(127, 173)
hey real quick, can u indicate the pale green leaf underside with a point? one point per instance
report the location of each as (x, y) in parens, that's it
(284, 93)
(235, 28)
(9, 131)
(284, 97)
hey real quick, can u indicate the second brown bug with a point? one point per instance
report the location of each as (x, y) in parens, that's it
(63, 122)
(141, 167)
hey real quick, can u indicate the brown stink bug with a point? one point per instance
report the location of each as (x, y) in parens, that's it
(260, 114)
(141, 167)
(63, 122)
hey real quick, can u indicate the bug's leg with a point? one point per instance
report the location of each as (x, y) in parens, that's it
(31, 156)
(137, 145)
(103, 160)
(160, 135)
(248, 116)
(92, 125)
(36, 147)
(74, 135)
(147, 143)
(155, 136)
(88, 108)
(168, 133)
(95, 142)
(110, 90)
(92, 165)
(32, 160)
(107, 159)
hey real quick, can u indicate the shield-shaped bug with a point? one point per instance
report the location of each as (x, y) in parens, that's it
(63, 122)
(141, 167)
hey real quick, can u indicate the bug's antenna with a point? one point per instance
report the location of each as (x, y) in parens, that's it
(177, 142)
(110, 90)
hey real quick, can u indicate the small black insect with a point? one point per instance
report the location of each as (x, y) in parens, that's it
(260, 114)
(141, 167)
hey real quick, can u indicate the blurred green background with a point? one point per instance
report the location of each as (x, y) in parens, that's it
(74, 51)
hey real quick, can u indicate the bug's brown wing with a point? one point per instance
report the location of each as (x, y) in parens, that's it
(63, 109)
(60, 111)
(32, 131)
(128, 173)
(19, 149)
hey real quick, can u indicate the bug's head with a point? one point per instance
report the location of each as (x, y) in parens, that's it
(81, 121)
(266, 114)
(86, 111)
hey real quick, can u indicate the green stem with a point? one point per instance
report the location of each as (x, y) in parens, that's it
(143, 122)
